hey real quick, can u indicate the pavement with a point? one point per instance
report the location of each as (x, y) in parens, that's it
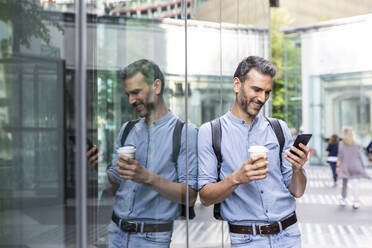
(323, 222)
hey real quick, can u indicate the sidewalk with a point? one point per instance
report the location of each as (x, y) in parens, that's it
(323, 222)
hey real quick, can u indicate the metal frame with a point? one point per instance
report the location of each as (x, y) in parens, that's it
(80, 121)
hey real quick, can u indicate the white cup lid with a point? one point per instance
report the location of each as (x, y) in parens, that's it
(258, 149)
(127, 149)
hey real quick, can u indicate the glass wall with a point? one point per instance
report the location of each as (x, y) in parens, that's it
(36, 158)
(196, 45)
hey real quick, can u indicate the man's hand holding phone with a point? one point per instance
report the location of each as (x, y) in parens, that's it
(298, 153)
(93, 156)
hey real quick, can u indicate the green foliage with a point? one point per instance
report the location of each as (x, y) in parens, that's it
(286, 55)
(28, 20)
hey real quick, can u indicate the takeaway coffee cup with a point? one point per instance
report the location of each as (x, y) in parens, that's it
(258, 150)
(127, 151)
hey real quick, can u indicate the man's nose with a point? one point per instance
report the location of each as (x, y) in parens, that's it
(262, 96)
(132, 99)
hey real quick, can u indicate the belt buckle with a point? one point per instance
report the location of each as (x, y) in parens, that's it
(129, 226)
(260, 230)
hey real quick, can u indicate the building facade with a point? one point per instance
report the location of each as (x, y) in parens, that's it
(336, 79)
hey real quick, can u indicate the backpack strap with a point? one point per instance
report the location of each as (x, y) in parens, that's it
(216, 144)
(275, 125)
(177, 140)
(216, 141)
(127, 130)
(175, 152)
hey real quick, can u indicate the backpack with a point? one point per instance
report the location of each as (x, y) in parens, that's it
(216, 144)
(175, 152)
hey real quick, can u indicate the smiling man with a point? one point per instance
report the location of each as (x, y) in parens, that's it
(151, 186)
(257, 196)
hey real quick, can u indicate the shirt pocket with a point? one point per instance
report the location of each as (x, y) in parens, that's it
(273, 155)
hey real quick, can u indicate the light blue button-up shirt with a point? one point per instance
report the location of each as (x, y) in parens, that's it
(154, 145)
(267, 200)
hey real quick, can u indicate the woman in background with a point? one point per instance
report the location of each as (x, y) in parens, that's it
(349, 165)
(332, 149)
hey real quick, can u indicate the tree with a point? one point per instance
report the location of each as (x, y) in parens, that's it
(27, 20)
(286, 83)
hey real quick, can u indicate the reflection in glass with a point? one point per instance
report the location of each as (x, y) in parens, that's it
(32, 152)
(149, 164)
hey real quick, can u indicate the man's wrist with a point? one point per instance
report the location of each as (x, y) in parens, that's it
(233, 179)
(296, 169)
(150, 177)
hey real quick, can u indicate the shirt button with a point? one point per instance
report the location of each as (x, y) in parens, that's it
(267, 211)
(242, 122)
(134, 191)
(261, 191)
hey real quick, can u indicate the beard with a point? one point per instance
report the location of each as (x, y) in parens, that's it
(146, 108)
(244, 103)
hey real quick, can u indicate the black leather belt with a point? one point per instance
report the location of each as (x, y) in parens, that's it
(265, 229)
(134, 227)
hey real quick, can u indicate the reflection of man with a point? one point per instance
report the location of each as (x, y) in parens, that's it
(151, 186)
(257, 196)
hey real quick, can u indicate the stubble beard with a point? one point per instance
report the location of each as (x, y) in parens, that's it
(244, 104)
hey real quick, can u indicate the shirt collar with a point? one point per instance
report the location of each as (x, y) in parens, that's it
(235, 119)
(164, 119)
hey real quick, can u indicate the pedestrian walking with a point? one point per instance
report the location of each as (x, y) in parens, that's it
(349, 166)
(369, 151)
(332, 150)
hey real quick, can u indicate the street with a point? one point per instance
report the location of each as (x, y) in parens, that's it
(323, 222)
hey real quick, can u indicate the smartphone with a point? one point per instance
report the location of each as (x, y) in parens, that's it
(89, 143)
(301, 138)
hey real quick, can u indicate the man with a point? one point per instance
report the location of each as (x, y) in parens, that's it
(256, 196)
(151, 186)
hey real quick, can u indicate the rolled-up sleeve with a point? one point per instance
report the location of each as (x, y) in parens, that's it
(192, 156)
(206, 157)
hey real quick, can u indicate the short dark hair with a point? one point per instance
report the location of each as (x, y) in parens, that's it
(149, 69)
(260, 64)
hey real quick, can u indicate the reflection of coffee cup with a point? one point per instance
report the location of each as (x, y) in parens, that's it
(258, 150)
(127, 151)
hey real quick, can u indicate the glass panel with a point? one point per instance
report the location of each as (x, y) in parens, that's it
(33, 207)
(219, 39)
(137, 35)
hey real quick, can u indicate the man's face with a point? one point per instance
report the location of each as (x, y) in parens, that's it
(254, 93)
(140, 94)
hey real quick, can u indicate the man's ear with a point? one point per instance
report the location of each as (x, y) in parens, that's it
(237, 84)
(157, 86)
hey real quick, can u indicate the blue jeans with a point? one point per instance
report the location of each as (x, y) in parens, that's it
(288, 238)
(333, 168)
(120, 239)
